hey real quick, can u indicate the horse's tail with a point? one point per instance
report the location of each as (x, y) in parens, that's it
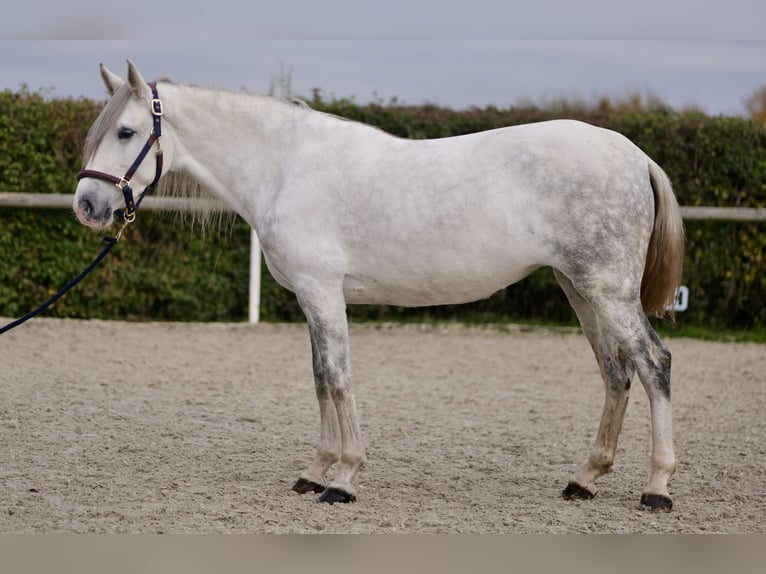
(665, 256)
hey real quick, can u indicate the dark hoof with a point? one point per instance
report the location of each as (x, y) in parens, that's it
(574, 491)
(333, 495)
(655, 503)
(302, 486)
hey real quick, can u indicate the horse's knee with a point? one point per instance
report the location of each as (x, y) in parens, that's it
(663, 371)
(657, 356)
(331, 375)
(656, 360)
(618, 371)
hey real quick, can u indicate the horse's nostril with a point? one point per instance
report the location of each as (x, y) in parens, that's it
(107, 213)
(87, 207)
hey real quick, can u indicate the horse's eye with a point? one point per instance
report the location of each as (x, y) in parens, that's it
(125, 133)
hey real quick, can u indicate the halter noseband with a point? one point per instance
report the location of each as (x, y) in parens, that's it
(124, 182)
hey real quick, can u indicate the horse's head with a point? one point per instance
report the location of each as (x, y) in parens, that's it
(123, 131)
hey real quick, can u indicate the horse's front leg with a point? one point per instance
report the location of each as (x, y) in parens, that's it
(340, 438)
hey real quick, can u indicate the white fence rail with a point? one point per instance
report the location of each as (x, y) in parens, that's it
(745, 214)
(64, 201)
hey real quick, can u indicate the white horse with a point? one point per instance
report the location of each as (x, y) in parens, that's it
(346, 213)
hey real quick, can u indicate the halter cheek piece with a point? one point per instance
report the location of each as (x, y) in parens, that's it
(124, 182)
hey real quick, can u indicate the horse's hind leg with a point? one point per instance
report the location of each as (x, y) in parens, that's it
(653, 364)
(624, 341)
(340, 437)
(616, 373)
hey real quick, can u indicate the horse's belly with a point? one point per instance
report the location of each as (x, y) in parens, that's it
(418, 289)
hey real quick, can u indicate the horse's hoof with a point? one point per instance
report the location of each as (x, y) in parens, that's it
(333, 495)
(655, 503)
(574, 491)
(302, 486)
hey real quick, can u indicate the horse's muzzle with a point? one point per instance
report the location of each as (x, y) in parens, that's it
(93, 213)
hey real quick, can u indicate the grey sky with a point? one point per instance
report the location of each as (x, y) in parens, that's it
(685, 52)
(392, 19)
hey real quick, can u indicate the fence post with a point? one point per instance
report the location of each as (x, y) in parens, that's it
(254, 315)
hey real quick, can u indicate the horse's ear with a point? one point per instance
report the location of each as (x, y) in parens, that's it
(137, 82)
(112, 82)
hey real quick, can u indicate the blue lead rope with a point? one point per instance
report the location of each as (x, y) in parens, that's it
(110, 241)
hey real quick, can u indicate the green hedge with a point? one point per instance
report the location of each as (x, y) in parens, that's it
(164, 270)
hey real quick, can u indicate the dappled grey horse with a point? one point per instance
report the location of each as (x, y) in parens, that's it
(346, 213)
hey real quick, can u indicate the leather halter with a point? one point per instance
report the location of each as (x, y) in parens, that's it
(124, 182)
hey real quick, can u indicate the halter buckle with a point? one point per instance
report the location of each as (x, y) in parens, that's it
(156, 107)
(123, 183)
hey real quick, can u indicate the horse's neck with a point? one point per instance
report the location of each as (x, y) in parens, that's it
(233, 144)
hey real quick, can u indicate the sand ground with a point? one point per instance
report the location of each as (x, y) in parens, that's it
(114, 427)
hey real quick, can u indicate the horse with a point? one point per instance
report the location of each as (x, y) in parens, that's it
(348, 214)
